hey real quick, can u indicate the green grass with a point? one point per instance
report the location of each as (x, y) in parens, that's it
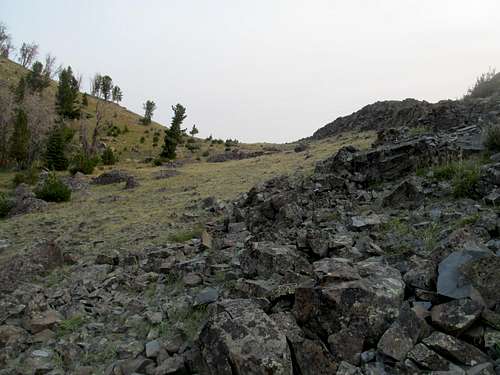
(71, 325)
(464, 176)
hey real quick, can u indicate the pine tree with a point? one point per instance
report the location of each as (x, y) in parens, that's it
(36, 80)
(169, 146)
(20, 90)
(106, 87)
(194, 131)
(19, 140)
(67, 94)
(149, 108)
(56, 160)
(85, 100)
(179, 117)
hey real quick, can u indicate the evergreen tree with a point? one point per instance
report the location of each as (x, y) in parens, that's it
(106, 87)
(194, 131)
(149, 108)
(20, 90)
(169, 146)
(117, 94)
(56, 160)
(85, 100)
(179, 117)
(19, 140)
(67, 94)
(36, 79)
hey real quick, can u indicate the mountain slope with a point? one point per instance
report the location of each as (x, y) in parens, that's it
(128, 144)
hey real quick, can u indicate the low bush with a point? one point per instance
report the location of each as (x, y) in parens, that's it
(108, 157)
(84, 164)
(6, 204)
(53, 190)
(466, 181)
(29, 176)
(492, 138)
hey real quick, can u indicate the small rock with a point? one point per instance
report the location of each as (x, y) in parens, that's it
(206, 240)
(152, 349)
(192, 279)
(427, 359)
(206, 296)
(131, 183)
(45, 320)
(172, 366)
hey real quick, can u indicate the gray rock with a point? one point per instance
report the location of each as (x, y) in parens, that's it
(240, 338)
(405, 194)
(172, 366)
(484, 275)
(427, 359)
(456, 316)
(455, 349)
(206, 296)
(153, 348)
(451, 281)
(111, 177)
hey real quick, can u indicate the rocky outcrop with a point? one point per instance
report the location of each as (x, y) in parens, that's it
(111, 177)
(412, 113)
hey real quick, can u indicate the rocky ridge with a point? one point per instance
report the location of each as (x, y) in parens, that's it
(363, 267)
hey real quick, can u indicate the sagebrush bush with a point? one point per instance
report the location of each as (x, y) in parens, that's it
(84, 164)
(6, 204)
(29, 176)
(492, 138)
(53, 190)
(108, 157)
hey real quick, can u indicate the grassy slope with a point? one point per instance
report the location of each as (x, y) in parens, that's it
(107, 217)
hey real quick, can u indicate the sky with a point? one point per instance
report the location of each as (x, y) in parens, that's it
(266, 70)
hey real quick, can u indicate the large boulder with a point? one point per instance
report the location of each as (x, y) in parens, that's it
(111, 177)
(484, 276)
(265, 259)
(240, 338)
(366, 305)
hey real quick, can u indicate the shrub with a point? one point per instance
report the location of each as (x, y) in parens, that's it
(29, 176)
(492, 139)
(157, 162)
(108, 157)
(53, 190)
(487, 84)
(84, 164)
(465, 181)
(205, 153)
(6, 204)
(142, 139)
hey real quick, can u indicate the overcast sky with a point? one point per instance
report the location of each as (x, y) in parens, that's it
(266, 70)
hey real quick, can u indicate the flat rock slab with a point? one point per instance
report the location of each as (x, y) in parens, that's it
(456, 316)
(456, 350)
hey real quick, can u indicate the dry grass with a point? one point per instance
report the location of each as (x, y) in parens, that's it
(109, 218)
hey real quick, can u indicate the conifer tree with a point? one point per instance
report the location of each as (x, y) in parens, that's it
(149, 108)
(19, 140)
(36, 79)
(117, 94)
(20, 90)
(169, 145)
(179, 117)
(67, 94)
(106, 87)
(56, 160)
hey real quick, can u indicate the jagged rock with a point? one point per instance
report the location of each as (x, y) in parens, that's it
(457, 315)
(310, 356)
(25, 202)
(335, 269)
(368, 305)
(111, 177)
(345, 368)
(427, 359)
(172, 366)
(482, 369)
(423, 275)
(131, 183)
(451, 281)
(44, 320)
(364, 222)
(240, 338)
(402, 335)
(192, 279)
(484, 275)
(405, 194)
(264, 259)
(206, 240)
(153, 348)
(455, 349)
(11, 335)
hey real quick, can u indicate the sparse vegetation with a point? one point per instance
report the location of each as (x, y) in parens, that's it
(492, 138)
(487, 84)
(108, 157)
(83, 163)
(71, 325)
(53, 190)
(186, 235)
(6, 204)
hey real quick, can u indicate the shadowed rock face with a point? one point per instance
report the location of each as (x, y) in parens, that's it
(412, 113)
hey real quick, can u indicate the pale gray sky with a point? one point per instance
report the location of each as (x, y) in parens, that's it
(266, 70)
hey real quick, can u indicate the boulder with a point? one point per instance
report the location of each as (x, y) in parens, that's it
(265, 259)
(44, 320)
(455, 350)
(368, 304)
(111, 177)
(405, 194)
(131, 183)
(451, 281)
(310, 356)
(456, 316)
(427, 359)
(484, 275)
(239, 338)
